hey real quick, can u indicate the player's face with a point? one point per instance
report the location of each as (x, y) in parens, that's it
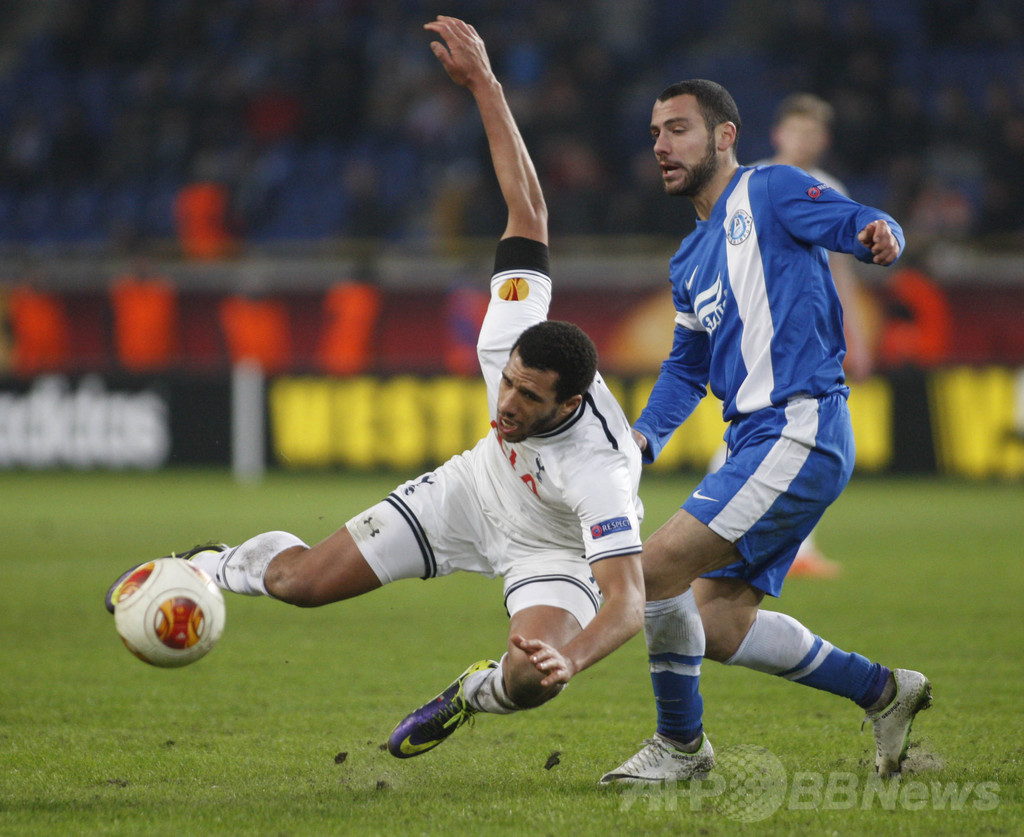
(527, 404)
(684, 147)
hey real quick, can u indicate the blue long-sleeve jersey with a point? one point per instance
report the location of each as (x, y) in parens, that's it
(758, 318)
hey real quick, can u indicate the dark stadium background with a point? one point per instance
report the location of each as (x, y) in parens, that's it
(303, 185)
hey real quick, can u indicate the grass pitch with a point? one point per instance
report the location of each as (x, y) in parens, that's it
(279, 730)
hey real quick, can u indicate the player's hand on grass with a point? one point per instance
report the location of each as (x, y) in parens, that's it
(550, 662)
(879, 238)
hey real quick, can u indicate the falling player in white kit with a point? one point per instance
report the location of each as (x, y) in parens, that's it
(547, 499)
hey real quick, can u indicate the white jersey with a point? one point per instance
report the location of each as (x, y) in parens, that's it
(574, 487)
(537, 513)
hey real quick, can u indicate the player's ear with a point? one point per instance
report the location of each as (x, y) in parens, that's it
(570, 404)
(725, 135)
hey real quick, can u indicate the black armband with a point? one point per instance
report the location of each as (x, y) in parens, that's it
(521, 253)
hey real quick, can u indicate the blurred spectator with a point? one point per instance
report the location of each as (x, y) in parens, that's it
(1002, 208)
(351, 309)
(40, 331)
(918, 322)
(75, 151)
(27, 150)
(464, 311)
(807, 43)
(145, 308)
(257, 331)
(202, 211)
(574, 183)
(274, 114)
(361, 183)
(940, 212)
(332, 108)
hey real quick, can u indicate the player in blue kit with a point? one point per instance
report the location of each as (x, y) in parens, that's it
(758, 319)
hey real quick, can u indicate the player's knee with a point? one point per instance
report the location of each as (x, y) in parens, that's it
(725, 626)
(721, 648)
(723, 638)
(522, 682)
(289, 579)
(528, 693)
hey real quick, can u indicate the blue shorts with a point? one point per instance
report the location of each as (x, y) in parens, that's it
(785, 466)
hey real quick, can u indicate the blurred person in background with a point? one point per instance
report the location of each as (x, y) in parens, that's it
(144, 304)
(801, 135)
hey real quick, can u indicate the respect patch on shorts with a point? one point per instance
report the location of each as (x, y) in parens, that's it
(610, 527)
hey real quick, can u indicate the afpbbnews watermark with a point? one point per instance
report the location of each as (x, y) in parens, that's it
(749, 784)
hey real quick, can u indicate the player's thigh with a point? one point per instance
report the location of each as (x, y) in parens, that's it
(427, 527)
(413, 533)
(553, 625)
(679, 551)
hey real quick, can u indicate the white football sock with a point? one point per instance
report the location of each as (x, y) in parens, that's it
(778, 644)
(241, 569)
(673, 626)
(208, 562)
(775, 643)
(485, 691)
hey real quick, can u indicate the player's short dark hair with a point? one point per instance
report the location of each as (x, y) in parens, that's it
(715, 103)
(562, 348)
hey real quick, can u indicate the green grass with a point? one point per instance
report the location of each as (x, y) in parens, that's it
(250, 739)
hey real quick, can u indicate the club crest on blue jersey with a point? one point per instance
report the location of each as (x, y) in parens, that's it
(739, 227)
(610, 527)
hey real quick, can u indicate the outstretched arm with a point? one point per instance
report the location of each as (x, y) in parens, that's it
(465, 59)
(619, 619)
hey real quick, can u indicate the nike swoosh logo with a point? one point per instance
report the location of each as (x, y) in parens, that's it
(690, 280)
(411, 749)
(698, 496)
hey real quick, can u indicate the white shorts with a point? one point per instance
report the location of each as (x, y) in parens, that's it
(433, 525)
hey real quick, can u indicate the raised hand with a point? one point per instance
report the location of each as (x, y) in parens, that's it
(463, 54)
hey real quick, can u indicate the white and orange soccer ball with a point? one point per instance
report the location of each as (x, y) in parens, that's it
(169, 612)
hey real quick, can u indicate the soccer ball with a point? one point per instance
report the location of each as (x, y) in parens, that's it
(169, 612)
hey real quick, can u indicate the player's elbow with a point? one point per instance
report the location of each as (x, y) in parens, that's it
(636, 617)
(624, 592)
(529, 219)
(534, 205)
(539, 211)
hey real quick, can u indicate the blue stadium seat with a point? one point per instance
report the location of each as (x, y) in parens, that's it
(81, 217)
